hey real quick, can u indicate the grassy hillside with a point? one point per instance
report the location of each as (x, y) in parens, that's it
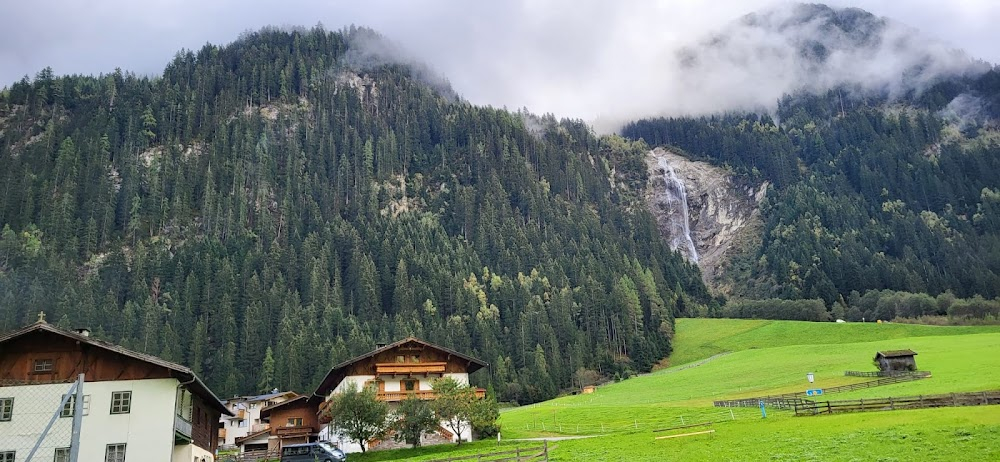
(699, 338)
(773, 357)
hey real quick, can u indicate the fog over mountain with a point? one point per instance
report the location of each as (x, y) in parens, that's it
(599, 61)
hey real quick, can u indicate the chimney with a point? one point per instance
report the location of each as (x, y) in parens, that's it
(83, 331)
(380, 345)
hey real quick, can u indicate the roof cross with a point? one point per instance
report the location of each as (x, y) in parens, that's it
(41, 317)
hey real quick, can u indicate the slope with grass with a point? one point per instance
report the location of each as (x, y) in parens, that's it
(699, 338)
(769, 357)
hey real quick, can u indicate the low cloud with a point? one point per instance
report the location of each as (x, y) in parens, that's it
(600, 61)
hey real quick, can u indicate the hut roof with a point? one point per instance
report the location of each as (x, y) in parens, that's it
(896, 353)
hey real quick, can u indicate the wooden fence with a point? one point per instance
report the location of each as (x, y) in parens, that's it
(252, 456)
(880, 373)
(791, 400)
(979, 398)
(539, 453)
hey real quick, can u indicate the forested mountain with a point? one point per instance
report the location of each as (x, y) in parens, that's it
(869, 191)
(266, 209)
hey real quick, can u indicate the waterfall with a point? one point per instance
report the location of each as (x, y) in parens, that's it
(677, 206)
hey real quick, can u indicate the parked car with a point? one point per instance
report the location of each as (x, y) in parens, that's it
(312, 452)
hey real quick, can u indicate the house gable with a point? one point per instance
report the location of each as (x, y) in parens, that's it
(409, 357)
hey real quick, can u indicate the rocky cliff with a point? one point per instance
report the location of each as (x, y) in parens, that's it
(723, 217)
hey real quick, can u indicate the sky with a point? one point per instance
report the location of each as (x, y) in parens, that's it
(595, 60)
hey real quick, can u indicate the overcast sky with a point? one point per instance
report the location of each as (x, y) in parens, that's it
(585, 59)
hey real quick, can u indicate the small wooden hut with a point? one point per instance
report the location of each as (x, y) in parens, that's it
(896, 360)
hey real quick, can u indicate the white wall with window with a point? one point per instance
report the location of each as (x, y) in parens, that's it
(123, 421)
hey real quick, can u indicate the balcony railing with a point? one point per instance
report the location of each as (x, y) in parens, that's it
(222, 433)
(394, 396)
(259, 427)
(182, 430)
(410, 368)
(292, 431)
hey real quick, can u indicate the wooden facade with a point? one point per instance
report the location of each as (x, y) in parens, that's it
(204, 424)
(69, 358)
(292, 422)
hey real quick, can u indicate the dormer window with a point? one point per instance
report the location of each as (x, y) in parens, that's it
(44, 365)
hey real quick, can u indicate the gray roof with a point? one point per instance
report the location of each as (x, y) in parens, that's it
(896, 353)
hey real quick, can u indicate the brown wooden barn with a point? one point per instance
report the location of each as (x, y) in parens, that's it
(896, 360)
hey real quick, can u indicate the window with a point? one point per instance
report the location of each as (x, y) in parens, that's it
(294, 422)
(415, 358)
(67, 410)
(253, 405)
(243, 424)
(7, 456)
(121, 403)
(44, 365)
(6, 409)
(61, 455)
(115, 453)
(400, 359)
(409, 385)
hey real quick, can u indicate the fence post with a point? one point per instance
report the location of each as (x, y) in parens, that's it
(636, 423)
(74, 441)
(892, 404)
(731, 414)
(602, 427)
(518, 453)
(682, 420)
(545, 449)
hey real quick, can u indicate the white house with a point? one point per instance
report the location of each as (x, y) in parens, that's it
(246, 419)
(409, 366)
(136, 407)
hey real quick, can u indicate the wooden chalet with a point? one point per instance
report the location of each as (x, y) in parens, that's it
(398, 370)
(133, 400)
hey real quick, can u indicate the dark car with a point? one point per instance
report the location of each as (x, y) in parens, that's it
(312, 452)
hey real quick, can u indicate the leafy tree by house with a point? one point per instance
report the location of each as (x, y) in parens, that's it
(454, 405)
(412, 419)
(358, 415)
(485, 413)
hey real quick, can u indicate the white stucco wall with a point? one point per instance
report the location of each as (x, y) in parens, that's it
(392, 383)
(461, 377)
(187, 453)
(358, 380)
(147, 430)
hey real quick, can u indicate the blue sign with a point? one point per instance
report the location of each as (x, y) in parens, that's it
(818, 391)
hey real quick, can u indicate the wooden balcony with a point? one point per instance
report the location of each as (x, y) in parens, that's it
(396, 396)
(410, 368)
(222, 433)
(182, 430)
(284, 432)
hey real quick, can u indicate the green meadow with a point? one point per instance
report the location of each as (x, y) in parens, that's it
(770, 357)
